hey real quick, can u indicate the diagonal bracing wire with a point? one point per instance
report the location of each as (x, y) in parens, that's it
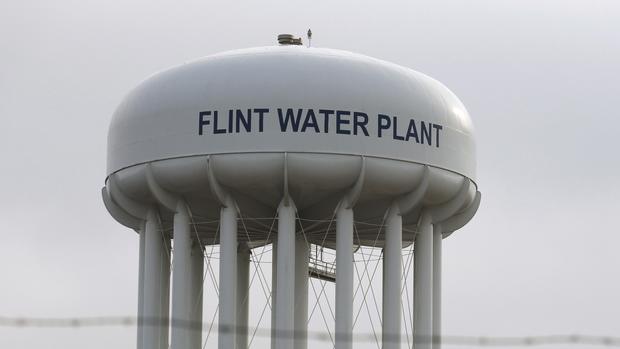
(257, 266)
(259, 322)
(322, 314)
(404, 289)
(364, 298)
(208, 262)
(256, 271)
(211, 326)
(322, 282)
(372, 276)
(365, 303)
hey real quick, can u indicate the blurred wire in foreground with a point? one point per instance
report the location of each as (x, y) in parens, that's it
(22, 322)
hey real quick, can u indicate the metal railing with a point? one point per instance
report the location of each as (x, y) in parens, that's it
(319, 266)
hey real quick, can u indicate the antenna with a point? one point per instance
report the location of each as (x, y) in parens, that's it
(309, 37)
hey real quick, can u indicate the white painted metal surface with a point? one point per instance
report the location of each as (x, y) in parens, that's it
(181, 280)
(285, 286)
(142, 233)
(301, 292)
(196, 299)
(152, 307)
(228, 280)
(392, 273)
(423, 284)
(243, 295)
(254, 131)
(164, 313)
(143, 129)
(344, 277)
(437, 242)
(274, 286)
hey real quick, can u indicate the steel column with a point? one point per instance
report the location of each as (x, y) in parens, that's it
(285, 287)
(228, 276)
(392, 272)
(197, 295)
(165, 293)
(301, 292)
(181, 279)
(274, 283)
(423, 285)
(344, 277)
(243, 295)
(142, 240)
(437, 241)
(151, 308)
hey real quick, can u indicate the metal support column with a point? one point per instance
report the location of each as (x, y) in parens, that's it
(437, 240)
(344, 277)
(423, 285)
(228, 276)
(301, 293)
(243, 295)
(197, 273)
(274, 283)
(164, 313)
(151, 308)
(392, 272)
(142, 240)
(181, 277)
(285, 288)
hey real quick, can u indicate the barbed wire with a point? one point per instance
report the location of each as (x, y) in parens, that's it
(481, 341)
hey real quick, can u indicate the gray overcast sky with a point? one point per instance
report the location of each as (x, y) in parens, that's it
(539, 78)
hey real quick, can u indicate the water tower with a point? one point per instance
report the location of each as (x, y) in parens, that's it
(200, 154)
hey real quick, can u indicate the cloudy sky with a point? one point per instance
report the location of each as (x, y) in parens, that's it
(539, 78)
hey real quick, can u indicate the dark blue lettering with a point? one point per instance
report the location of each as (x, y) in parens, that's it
(437, 129)
(357, 123)
(261, 116)
(326, 113)
(395, 130)
(290, 116)
(230, 120)
(240, 119)
(310, 122)
(412, 132)
(215, 129)
(202, 121)
(383, 124)
(340, 121)
(426, 133)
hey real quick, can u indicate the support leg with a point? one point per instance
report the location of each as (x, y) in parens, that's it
(423, 285)
(197, 292)
(274, 283)
(181, 287)
(141, 286)
(301, 293)
(165, 293)
(285, 288)
(243, 295)
(228, 276)
(392, 271)
(437, 240)
(151, 309)
(344, 277)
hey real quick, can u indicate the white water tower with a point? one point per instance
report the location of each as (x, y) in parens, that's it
(200, 154)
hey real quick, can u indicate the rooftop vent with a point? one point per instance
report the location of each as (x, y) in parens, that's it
(288, 39)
